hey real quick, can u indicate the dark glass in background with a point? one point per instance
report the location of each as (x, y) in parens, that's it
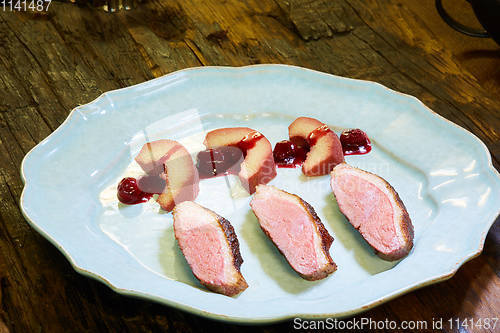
(488, 14)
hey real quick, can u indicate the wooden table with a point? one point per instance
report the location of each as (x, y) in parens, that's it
(51, 62)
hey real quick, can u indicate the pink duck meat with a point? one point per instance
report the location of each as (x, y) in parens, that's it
(293, 226)
(210, 246)
(375, 209)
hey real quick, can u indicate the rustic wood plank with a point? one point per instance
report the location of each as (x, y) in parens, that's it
(50, 63)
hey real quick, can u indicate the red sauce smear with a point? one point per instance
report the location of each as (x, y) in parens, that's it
(289, 153)
(218, 161)
(292, 153)
(132, 191)
(225, 160)
(355, 142)
(249, 141)
(315, 135)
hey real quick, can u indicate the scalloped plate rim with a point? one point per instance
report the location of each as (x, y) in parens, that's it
(438, 277)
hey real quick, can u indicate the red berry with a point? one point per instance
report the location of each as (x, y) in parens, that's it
(355, 142)
(129, 192)
(288, 154)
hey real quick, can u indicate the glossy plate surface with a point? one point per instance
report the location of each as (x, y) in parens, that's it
(442, 172)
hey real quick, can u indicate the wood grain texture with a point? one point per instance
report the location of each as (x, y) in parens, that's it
(52, 62)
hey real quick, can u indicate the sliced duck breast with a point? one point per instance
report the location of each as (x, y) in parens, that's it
(210, 246)
(293, 226)
(325, 148)
(375, 209)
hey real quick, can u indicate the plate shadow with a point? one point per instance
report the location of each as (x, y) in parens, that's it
(174, 265)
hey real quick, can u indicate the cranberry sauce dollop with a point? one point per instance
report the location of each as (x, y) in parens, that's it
(218, 161)
(290, 153)
(355, 142)
(132, 191)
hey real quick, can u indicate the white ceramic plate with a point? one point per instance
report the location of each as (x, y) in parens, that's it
(442, 172)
